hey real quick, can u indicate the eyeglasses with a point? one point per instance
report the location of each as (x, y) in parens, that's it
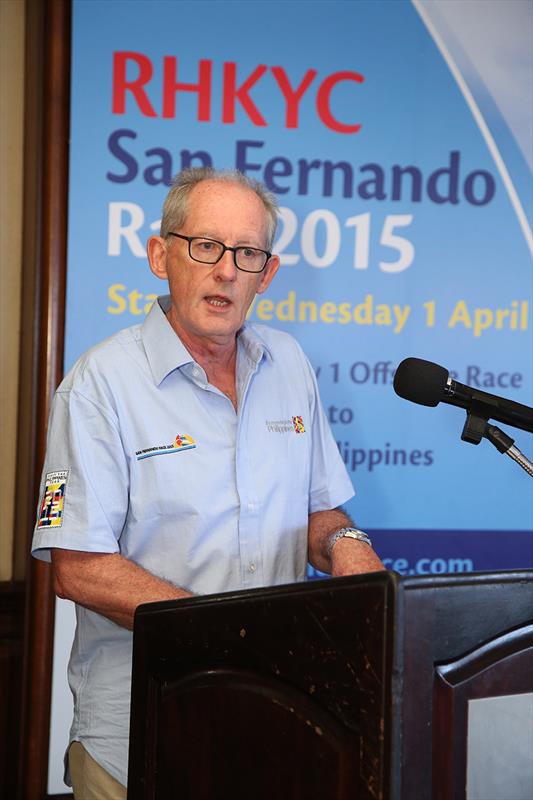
(210, 251)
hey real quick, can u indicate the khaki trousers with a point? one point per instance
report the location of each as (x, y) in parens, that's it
(89, 780)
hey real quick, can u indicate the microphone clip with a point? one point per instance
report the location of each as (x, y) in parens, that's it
(477, 428)
(477, 417)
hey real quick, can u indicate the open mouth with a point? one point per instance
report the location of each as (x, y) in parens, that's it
(218, 302)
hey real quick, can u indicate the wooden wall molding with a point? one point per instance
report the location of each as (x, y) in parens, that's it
(12, 19)
(43, 311)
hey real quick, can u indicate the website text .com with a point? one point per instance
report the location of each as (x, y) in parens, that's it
(429, 566)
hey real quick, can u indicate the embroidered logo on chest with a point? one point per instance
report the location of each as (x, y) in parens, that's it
(292, 425)
(182, 442)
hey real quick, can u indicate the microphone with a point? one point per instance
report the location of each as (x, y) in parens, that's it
(429, 384)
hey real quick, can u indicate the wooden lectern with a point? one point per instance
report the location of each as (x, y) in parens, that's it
(347, 688)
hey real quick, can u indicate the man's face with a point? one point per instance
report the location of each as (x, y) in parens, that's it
(210, 301)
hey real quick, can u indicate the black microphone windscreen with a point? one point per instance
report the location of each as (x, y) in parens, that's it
(420, 381)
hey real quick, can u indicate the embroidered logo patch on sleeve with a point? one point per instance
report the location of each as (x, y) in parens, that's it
(53, 502)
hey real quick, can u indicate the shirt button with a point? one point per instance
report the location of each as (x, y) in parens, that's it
(252, 567)
(196, 372)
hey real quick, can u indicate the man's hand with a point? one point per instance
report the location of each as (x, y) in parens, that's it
(349, 556)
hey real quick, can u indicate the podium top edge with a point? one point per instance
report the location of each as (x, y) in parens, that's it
(328, 584)
(391, 581)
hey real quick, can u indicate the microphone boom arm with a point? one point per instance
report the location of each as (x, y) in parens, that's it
(506, 445)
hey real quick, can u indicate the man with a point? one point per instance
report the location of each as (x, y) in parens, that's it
(186, 455)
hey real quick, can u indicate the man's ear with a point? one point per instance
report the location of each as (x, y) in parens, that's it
(156, 249)
(268, 274)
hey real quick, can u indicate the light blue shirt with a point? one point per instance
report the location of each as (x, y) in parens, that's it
(147, 459)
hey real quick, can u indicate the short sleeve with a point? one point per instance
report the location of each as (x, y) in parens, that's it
(330, 484)
(83, 499)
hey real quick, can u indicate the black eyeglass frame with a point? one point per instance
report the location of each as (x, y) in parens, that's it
(225, 247)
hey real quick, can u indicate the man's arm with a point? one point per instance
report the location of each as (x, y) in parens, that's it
(108, 583)
(348, 556)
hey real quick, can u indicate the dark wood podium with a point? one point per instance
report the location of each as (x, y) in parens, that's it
(348, 688)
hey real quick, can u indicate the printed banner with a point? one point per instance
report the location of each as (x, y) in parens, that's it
(403, 230)
(397, 139)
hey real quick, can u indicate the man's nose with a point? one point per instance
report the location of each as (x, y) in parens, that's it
(225, 269)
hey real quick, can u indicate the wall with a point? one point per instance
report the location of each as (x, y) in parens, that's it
(11, 171)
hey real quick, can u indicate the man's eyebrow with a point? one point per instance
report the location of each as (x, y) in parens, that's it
(243, 242)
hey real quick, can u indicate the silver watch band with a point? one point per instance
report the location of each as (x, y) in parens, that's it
(347, 533)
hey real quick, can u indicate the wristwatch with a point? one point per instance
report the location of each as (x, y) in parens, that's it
(347, 533)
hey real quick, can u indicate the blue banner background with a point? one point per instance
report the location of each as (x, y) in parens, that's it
(432, 263)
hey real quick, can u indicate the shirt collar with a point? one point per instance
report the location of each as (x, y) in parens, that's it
(164, 349)
(166, 352)
(252, 343)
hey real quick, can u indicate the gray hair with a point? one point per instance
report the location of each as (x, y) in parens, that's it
(175, 205)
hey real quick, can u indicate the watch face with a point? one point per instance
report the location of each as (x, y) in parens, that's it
(354, 533)
(348, 533)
